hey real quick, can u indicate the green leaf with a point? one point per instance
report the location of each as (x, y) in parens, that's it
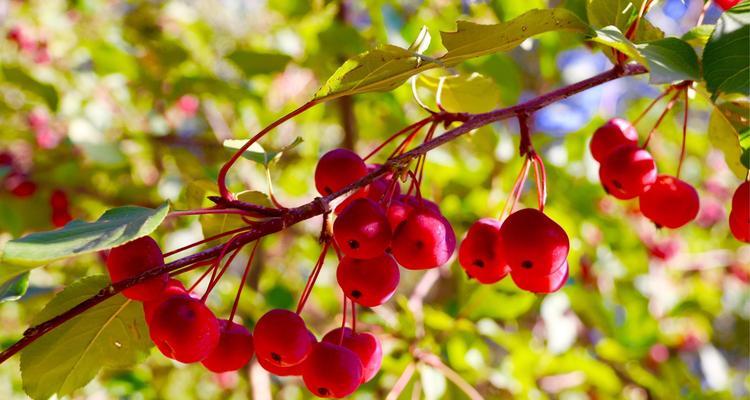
(726, 58)
(725, 136)
(109, 59)
(20, 78)
(387, 67)
(621, 14)
(258, 63)
(110, 335)
(472, 93)
(699, 35)
(113, 228)
(670, 60)
(611, 36)
(257, 153)
(382, 69)
(15, 288)
(474, 40)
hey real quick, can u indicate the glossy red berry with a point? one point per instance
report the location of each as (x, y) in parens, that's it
(741, 197)
(365, 345)
(174, 288)
(739, 224)
(369, 282)
(670, 202)
(532, 242)
(133, 258)
(184, 329)
(60, 218)
(338, 168)
(362, 230)
(397, 213)
(282, 339)
(234, 350)
(726, 4)
(537, 283)
(19, 185)
(424, 240)
(268, 365)
(332, 371)
(58, 200)
(614, 133)
(627, 172)
(480, 253)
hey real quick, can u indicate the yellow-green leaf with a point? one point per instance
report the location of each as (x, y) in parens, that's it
(725, 136)
(111, 334)
(472, 93)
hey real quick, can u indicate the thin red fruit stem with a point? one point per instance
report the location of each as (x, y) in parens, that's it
(540, 174)
(416, 184)
(405, 143)
(650, 106)
(242, 281)
(206, 211)
(203, 276)
(222, 178)
(415, 126)
(684, 134)
(209, 239)
(661, 118)
(343, 320)
(354, 317)
(217, 261)
(423, 160)
(510, 203)
(212, 283)
(337, 250)
(312, 278)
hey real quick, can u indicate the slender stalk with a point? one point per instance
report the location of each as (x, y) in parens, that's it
(343, 319)
(401, 383)
(320, 205)
(242, 282)
(651, 105)
(222, 179)
(206, 240)
(212, 283)
(206, 211)
(313, 277)
(413, 127)
(661, 118)
(684, 134)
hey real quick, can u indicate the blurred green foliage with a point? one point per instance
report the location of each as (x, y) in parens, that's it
(114, 90)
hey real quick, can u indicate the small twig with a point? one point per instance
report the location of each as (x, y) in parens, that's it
(401, 383)
(435, 362)
(249, 207)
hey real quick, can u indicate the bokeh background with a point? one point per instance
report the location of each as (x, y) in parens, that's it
(127, 102)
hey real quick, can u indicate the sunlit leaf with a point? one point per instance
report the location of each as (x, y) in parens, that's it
(257, 153)
(113, 228)
(258, 63)
(111, 334)
(670, 60)
(724, 135)
(726, 58)
(471, 93)
(15, 288)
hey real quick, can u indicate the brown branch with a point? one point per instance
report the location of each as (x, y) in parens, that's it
(321, 205)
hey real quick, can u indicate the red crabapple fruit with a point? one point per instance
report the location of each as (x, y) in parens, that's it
(627, 172)
(234, 350)
(282, 339)
(332, 371)
(480, 253)
(532, 242)
(184, 329)
(336, 169)
(536, 283)
(362, 230)
(365, 345)
(670, 202)
(369, 282)
(133, 258)
(613, 134)
(424, 240)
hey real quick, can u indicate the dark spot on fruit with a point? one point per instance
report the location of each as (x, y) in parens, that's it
(353, 244)
(658, 226)
(327, 190)
(527, 264)
(419, 244)
(323, 392)
(479, 263)
(616, 184)
(356, 294)
(275, 357)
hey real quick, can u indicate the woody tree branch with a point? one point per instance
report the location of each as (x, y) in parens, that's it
(320, 205)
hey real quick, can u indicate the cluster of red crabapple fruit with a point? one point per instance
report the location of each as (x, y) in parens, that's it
(628, 171)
